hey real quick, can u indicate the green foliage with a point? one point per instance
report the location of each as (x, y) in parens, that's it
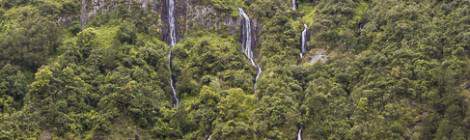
(218, 114)
(205, 58)
(228, 5)
(395, 70)
(28, 38)
(13, 88)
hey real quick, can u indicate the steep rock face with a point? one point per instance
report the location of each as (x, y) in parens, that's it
(192, 16)
(255, 28)
(180, 12)
(206, 17)
(90, 8)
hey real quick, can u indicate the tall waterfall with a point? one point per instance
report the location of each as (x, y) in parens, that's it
(299, 134)
(294, 5)
(303, 47)
(247, 41)
(83, 13)
(246, 36)
(171, 21)
(172, 37)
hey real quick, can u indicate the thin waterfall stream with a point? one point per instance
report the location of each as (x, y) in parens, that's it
(303, 50)
(299, 134)
(247, 41)
(294, 5)
(172, 36)
(303, 47)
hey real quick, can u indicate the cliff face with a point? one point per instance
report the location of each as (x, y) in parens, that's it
(89, 8)
(191, 15)
(207, 17)
(199, 16)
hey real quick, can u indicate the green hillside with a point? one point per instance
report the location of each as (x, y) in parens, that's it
(105, 69)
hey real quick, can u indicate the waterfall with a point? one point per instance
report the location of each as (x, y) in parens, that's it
(246, 37)
(172, 37)
(299, 134)
(303, 47)
(294, 5)
(246, 40)
(144, 4)
(83, 13)
(258, 72)
(171, 21)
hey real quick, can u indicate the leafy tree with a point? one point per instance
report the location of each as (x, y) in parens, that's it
(28, 38)
(13, 88)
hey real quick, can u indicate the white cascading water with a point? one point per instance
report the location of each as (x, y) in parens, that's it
(144, 4)
(294, 5)
(258, 73)
(247, 36)
(303, 47)
(172, 35)
(247, 42)
(299, 134)
(171, 22)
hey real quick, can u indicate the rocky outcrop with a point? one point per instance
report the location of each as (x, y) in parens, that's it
(90, 8)
(319, 56)
(191, 15)
(207, 17)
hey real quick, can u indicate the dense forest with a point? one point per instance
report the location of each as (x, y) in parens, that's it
(235, 69)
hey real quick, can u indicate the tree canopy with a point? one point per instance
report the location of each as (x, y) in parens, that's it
(97, 69)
